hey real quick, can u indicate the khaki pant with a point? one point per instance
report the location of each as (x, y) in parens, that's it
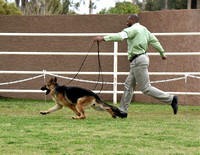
(139, 73)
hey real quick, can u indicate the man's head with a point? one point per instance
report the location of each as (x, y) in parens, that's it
(132, 19)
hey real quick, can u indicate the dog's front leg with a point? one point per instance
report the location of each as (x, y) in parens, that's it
(55, 108)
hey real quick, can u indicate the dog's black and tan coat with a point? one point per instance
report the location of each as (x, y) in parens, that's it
(77, 99)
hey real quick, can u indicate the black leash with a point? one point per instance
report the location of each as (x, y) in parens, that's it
(81, 65)
(100, 75)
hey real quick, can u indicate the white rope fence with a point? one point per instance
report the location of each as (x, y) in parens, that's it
(88, 81)
(115, 55)
(94, 82)
(19, 81)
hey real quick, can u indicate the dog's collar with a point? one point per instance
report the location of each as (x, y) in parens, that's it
(56, 85)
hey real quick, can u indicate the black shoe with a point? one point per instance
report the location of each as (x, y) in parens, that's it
(175, 104)
(123, 115)
(118, 112)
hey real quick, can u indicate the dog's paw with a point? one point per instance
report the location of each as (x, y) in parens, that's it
(73, 117)
(43, 112)
(114, 116)
(82, 117)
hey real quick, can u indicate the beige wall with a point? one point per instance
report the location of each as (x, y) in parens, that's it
(159, 21)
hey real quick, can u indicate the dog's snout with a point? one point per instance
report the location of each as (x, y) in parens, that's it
(44, 87)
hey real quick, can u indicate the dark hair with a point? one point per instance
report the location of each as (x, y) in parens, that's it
(134, 17)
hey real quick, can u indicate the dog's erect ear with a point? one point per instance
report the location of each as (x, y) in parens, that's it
(51, 81)
(55, 79)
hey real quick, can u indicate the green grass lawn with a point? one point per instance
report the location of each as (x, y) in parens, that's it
(149, 129)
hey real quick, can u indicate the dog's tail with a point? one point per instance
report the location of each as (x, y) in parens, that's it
(116, 111)
(102, 105)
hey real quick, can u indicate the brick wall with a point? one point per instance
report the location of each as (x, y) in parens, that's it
(158, 21)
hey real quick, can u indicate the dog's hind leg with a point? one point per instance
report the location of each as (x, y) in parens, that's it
(73, 108)
(82, 103)
(81, 110)
(55, 108)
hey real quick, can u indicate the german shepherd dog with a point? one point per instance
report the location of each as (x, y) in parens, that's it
(77, 99)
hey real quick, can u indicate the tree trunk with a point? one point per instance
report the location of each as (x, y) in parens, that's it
(90, 7)
(143, 4)
(166, 4)
(189, 4)
(43, 7)
(198, 4)
(34, 7)
(17, 3)
(24, 6)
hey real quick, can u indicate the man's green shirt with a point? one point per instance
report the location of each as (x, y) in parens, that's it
(138, 39)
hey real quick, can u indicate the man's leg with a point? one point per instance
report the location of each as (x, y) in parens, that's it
(142, 78)
(128, 92)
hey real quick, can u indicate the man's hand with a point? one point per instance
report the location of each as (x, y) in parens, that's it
(98, 39)
(164, 58)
